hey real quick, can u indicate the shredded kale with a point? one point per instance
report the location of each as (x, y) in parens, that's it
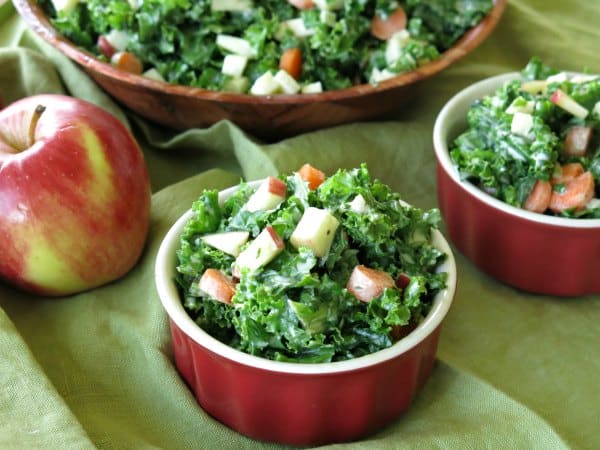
(178, 37)
(297, 307)
(507, 164)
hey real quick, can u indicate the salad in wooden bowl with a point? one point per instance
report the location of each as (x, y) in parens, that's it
(274, 68)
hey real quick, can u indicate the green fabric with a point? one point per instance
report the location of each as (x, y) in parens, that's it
(95, 370)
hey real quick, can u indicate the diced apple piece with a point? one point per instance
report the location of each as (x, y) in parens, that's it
(534, 86)
(559, 77)
(135, 4)
(315, 230)
(230, 5)
(521, 124)
(583, 78)
(577, 141)
(119, 39)
(266, 84)
(566, 102)
(287, 82)
(236, 84)
(329, 5)
(153, 74)
(327, 17)
(519, 104)
(367, 284)
(394, 46)
(234, 65)
(217, 285)
(402, 280)
(377, 76)
(260, 252)
(593, 204)
(229, 242)
(316, 88)
(105, 47)
(235, 45)
(65, 6)
(269, 195)
(301, 4)
(297, 27)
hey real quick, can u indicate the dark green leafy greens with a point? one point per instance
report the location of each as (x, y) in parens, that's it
(507, 164)
(297, 307)
(178, 37)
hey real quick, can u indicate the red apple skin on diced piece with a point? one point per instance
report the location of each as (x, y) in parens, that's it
(275, 237)
(402, 280)
(568, 103)
(270, 194)
(217, 285)
(367, 284)
(266, 246)
(577, 141)
(105, 47)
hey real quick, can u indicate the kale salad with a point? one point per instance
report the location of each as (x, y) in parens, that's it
(535, 142)
(269, 46)
(309, 268)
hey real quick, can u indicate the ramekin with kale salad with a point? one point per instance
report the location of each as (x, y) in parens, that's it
(308, 268)
(266, 47)
(535, 142)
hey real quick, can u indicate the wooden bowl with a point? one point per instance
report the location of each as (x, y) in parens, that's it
(268, 117)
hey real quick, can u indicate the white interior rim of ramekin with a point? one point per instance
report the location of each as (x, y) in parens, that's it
(452, 120)
(164, 277)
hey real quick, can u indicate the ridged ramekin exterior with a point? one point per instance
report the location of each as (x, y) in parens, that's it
(300, 409)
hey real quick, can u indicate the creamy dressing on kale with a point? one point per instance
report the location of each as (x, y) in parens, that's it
(178, 38)
(297, 308)
(506, 155)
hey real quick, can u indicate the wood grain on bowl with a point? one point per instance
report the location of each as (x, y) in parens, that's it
(267, 117)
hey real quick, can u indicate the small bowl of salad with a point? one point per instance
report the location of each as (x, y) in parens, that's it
(519, 178)
(275, 68)
(306, 309)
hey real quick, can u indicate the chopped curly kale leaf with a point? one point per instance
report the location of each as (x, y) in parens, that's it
(297, 307)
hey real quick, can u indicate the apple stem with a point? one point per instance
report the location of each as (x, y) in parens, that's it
(37, 113)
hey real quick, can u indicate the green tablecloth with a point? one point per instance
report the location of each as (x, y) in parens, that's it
(95, 370)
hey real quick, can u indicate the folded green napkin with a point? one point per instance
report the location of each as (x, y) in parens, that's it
(95, 370)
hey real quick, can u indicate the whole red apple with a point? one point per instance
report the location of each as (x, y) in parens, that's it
(74, 196)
